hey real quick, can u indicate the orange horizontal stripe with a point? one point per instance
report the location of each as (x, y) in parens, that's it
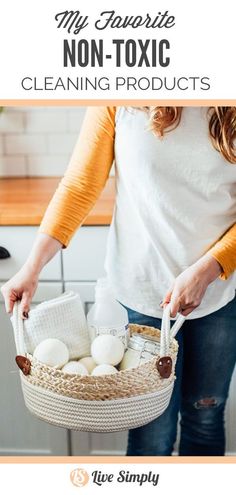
(116, 460)
(117, 102)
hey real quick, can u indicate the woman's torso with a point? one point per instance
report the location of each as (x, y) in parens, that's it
(176, 196)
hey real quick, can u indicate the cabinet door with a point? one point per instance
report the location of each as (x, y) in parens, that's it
(230, 418)
(84, 257)
(94, 443)
(18, 242)
(20, 432)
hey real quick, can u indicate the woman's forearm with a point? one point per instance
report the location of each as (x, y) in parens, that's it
(208, 267)
(44, 249)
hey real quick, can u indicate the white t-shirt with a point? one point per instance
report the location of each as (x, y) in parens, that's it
(176, 196)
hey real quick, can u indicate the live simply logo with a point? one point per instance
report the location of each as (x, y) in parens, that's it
(79, 477)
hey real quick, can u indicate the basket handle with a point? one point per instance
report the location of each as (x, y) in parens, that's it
(18, 325)
(167, 332)
(164, 364)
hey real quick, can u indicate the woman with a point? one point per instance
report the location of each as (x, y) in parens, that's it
(172, 238)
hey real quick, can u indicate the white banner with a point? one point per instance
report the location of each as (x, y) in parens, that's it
(117, 50)
(66, 479)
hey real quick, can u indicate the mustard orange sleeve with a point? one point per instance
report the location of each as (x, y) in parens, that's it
(85, 176)
(224, 251)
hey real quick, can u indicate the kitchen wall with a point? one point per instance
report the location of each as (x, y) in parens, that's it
(37, 141)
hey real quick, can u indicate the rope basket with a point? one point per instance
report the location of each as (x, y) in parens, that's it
(122, 401)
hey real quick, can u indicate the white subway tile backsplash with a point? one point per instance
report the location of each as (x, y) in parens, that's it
(76, 116)
(58, 144)
(36, 109)
(12, 166)
(11, 122)
(47, 165)
(59, 110)
(46, 122)
(23, 109)
(1, 145)
(24, 144)
(38, 141)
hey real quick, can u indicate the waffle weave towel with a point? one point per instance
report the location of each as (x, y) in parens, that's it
(61, 318)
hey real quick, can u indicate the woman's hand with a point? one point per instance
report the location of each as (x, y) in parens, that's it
(23, 285)
(190, 286)
(20, 287)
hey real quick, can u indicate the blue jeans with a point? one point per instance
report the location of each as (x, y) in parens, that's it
(205, 363)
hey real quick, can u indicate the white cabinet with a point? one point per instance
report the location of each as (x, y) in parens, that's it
(85, 290)
(20, 432)
(230, 418)
(83, 260)
(18, 241)
(99, 444)
(47, 290)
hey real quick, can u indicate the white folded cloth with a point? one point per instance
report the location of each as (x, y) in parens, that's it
(61, 318)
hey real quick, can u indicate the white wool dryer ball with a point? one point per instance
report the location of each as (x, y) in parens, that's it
(52, 352)
(88, 362)
(104, 369)
(75, 367)
(107, 349)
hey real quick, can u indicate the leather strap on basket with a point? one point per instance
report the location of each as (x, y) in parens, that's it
(21, 360)
(164, 363)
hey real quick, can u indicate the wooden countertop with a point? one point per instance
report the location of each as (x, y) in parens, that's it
(23, 201)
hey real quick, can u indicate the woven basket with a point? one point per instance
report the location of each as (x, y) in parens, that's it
(126, 400)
